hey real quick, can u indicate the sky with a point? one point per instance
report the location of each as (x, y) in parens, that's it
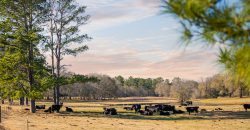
(133, 38)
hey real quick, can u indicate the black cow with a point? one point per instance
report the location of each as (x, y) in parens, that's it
(40, 107)
(159, 107)
(192, 109)
(54, 108)
(246, 106)
(69, 109)
(168, 108)
(136, 107)
(109, 111)
(146, 112)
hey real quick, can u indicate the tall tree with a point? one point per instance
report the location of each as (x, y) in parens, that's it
(217, 21)
(24, 19)
(66, 18)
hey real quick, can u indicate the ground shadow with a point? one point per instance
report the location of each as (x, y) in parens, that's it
(222, 115)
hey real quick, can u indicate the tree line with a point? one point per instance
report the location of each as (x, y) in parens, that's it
(219, 85)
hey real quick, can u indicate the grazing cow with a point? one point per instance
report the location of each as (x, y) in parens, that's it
(69, 109)
(109, 111)
(136, 107)
(40, 107)
(192, 109)
(128, 108)
(56, 108)
(146, 112)
(246, 106)
(168, 108)
(159, 107)
(187, 103)
(165, 113)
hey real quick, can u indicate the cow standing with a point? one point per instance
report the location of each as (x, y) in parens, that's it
(136, 107)
(246, 106)
(192, 109)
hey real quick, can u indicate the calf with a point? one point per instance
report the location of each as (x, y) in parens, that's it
(192, 109)
(109, 111)
(69, 109)
(40, 107)
(246, 106)
(146, 112)
(136, 107)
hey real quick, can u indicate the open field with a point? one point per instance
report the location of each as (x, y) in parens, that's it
(88, 116)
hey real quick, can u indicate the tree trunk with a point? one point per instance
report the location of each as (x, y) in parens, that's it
(54, 96)
(52, 51)
(241, 92)
(27, 101)
(21, 101)
(57, 95)
(2, 101)
(33, 105)
(10, 101)
(58, 76)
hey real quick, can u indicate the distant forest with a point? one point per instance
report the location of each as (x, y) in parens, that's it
(220, 85)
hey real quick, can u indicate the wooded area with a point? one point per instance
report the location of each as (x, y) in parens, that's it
(220, 85)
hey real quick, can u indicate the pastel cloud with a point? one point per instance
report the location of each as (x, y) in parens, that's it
(188, 64)
(154, 53)
(106, 13)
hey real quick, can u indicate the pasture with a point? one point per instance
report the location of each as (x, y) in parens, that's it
(88, 116)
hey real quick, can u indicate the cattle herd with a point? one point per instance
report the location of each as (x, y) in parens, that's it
(164, 109)
(160, 109)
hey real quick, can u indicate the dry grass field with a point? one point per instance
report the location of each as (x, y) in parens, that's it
(88, 116)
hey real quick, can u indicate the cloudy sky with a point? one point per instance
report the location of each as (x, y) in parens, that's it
(133, 38)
